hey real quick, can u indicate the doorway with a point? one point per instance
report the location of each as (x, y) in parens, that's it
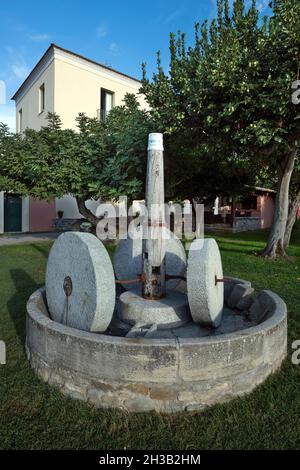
(12, 213)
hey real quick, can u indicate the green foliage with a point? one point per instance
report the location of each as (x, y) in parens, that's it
(126, 137)
(224, 106)
(227, 99)
(100, 160)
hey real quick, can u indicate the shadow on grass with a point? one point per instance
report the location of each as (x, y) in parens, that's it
(246, 244)
(44, 250)
(249, 252)
(16, 306)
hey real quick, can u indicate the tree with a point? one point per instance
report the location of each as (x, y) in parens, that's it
(101, 160)
(294, 204)
(229, 96)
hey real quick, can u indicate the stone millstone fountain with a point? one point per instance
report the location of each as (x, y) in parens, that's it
(178, 337)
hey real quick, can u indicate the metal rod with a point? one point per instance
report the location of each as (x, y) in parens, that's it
(130, 281)
(219, 280)
(140, 278)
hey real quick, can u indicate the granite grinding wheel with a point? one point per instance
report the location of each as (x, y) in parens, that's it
(80, 283)
(205, 295)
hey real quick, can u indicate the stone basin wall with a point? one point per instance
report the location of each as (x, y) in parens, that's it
(166, 375)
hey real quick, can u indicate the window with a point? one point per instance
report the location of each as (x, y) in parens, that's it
(107, 103)
(20, 124)
(42, 98)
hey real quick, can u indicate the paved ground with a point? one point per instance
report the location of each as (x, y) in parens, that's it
(14, 239)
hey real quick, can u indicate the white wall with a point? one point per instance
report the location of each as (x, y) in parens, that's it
(25, 214)
(29, 102)
(68, 205)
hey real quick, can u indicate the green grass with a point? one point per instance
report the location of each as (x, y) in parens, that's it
(36, 416)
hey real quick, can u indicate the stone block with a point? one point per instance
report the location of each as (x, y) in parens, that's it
(168, 406)
(163, 393)
(229, 284)
(55, 379)
(261, 308)
(139, 404)
(44, 373)
(213, 392)
(136, 332)
(94, 396)
(221, 358)
(245, 303)
(246, 381)
(239, 293)
(139, 388)
(74, 391)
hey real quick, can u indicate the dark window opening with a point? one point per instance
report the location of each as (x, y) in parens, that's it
(42, 98)
(107, 103)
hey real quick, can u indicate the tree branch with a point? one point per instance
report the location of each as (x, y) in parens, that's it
(86, 213)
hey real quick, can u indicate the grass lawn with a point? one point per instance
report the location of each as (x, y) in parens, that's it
(35, 416)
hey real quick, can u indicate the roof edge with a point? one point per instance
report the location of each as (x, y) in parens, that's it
(32, 71)
(54, 46)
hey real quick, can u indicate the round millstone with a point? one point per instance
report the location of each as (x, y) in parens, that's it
(206, 297)
(80, 283)
(128, 261)
(170, 312)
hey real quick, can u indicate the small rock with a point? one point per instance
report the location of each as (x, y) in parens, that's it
(239, 292)
(230, 283)
(245, 303)
(151, 332)
(136, 332)
(260, 308)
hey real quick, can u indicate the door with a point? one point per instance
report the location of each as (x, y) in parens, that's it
(12, 213)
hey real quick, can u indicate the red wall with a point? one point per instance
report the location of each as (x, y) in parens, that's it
(266, 204)
(41, 214)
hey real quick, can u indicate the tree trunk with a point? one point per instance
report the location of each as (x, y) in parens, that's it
(86, 213)
(291, 219)
(275, 242)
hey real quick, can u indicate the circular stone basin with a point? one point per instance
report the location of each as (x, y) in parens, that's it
(188, 369)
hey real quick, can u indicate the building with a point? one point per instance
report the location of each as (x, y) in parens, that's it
(252, 212)
(65, 83)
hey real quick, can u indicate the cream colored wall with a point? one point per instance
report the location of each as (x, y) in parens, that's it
(72, 85)
(30, 101)
(78, 85)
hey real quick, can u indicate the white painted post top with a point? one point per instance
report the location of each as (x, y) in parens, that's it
(155, 141)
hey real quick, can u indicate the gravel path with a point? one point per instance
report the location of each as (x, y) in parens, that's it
(15, 239)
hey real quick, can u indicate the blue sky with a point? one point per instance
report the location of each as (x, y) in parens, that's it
(121, 34)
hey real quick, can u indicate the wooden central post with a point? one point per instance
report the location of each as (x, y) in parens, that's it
(154, 231)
